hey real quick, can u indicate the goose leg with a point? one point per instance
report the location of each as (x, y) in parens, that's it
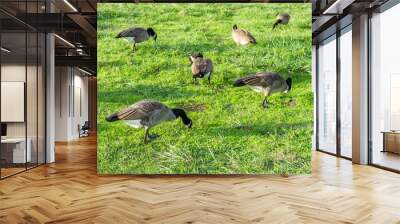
(265, 103)
(145, 135)
(153, 136)
(134, 47)
(209, 78)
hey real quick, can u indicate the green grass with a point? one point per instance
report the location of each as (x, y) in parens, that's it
(231, 132)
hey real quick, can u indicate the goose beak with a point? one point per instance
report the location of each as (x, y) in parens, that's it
(190, 124)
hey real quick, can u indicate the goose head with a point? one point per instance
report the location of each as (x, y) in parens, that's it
(152, 33)
(193, 57)
(179, 113)
(288, 84)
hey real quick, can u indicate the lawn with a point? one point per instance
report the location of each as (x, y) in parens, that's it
(231, 133)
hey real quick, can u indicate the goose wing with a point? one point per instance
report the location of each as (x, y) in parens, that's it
(205, 66)
(140, 110)
(260, 79)
(244, 35)
(136, 32)
(201, 66)
(285, 16)
(272, 80)
(250, 37)
(209, 66)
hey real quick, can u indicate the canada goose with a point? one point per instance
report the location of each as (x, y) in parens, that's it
(282, 18)
(147, 114)
(266, 83)
(201, 67)
(137, 35)
(241, 36)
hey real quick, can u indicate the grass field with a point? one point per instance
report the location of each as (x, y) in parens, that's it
(231, 132)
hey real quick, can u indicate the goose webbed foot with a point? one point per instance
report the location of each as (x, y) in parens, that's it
(146, 134)
(134, 48)
(265, 104)
(153, 136)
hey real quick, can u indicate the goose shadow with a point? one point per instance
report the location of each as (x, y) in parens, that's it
(256, 130)
(131, 94)
(181, 50)
(110, 63)
(187, 48)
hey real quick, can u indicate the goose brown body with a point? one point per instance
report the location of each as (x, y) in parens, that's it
(147, 114)
(282, 18)
(137, 35)
(201, 67)
(241, 36)
(266, 83)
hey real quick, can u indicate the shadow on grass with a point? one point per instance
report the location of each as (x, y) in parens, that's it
(253, 130)
(138, 92)
(110, 63)
(186, 48)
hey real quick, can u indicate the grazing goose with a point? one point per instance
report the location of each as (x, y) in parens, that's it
(241, 36)
(201, 67)
(266, 83)
(147, 114)
(282, 18)
(137, 35)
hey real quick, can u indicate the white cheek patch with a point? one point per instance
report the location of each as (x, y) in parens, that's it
(134, 123)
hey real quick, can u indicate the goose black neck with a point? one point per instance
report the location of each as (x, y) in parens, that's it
(198, 55)
(289, 83)
(151, 32)
(182, 114)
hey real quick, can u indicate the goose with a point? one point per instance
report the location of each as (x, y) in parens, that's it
(137, 35)
(282, 18)
(241, 36)
(267, 83)
(201, 67)
(147, 114)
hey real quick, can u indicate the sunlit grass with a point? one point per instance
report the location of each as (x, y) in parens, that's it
(231, 132)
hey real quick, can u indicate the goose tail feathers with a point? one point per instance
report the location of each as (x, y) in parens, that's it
(239, 82)
(112, 117)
